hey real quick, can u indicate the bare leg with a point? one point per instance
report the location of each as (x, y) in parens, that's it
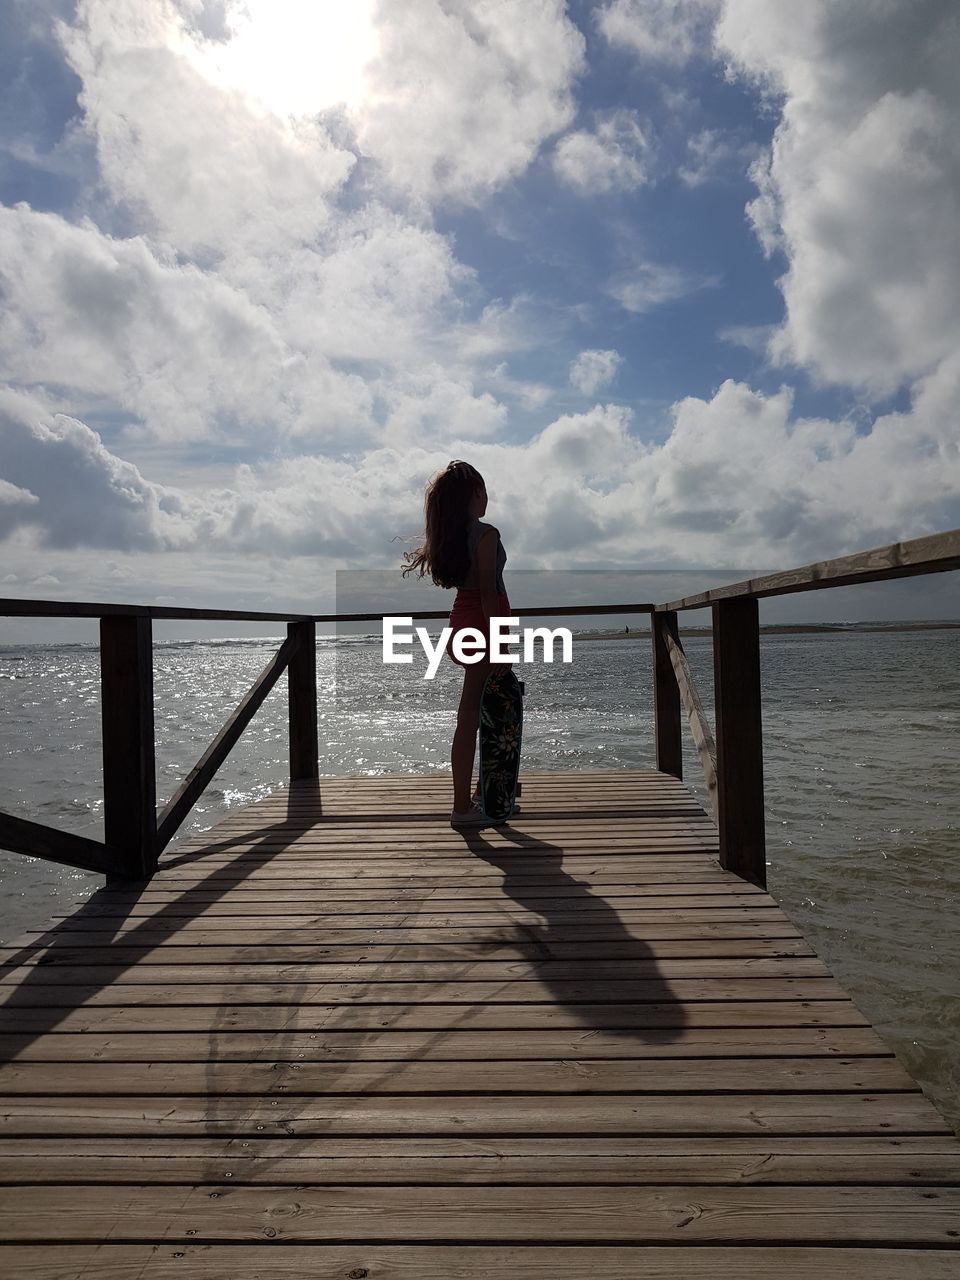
(464, 747)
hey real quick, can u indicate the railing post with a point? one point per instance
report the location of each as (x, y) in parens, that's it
(129, 768)
(736, 668)
(302, 701)
(666, 697)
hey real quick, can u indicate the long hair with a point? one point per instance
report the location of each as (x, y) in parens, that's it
(443, 553)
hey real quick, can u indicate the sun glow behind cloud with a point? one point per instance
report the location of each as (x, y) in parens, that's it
(295, 57)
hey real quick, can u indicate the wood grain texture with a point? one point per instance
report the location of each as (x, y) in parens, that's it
(174, 1261)
(491, 1215)
(571, 1046)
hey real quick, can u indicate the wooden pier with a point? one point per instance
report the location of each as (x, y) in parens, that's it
(334, 1038)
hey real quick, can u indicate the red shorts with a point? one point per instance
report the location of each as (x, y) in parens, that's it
(467, 611)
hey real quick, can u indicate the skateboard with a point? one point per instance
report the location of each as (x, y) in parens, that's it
(501, 732)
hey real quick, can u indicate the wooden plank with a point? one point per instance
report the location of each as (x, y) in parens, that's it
(560, 892)
(295, 1038)
(438, 843)
(933, 553)
(714, 1214)
(36, 995)
(633, 936)
(695, 909)
(173, 1261)
(271, 914)
(362, 901)
(302, 856)
(414, 871)
(455, 1045)
(291, 1115)
(929, 1161)
(353, 926)
(437, 836)
(536, 858)
(602, 940)
(505, 1017)
(209, 949)
(546, 1076)
(546, 971)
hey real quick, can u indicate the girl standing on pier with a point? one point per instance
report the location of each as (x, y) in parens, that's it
(460, 550)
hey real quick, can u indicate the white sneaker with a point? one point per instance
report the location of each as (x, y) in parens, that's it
(474, 817)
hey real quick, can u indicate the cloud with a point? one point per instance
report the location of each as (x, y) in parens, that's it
(237, 279)
(200, 167)
(594, 369)
(647, 285)
(432, 405)
(227, 284)
(181, 349)
(861, 189)
(193, 125)
(739, 479)
(462, 96)
(670, 31)
(12, 495)
(378, 290)
(613, 157)
(193, 355)
(713, 156)
(15, 503)
(84, 495)
(752, 337)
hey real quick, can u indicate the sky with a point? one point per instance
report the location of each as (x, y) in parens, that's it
(680, 277)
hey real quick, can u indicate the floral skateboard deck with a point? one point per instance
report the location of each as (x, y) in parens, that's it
(501, 731)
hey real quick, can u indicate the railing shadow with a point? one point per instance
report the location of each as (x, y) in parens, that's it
(32, 991)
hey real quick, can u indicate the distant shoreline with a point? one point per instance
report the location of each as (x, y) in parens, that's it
(782, 629)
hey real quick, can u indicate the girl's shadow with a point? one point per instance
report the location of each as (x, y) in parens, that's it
(596, 966)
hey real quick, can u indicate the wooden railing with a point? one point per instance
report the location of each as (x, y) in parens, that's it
(732, 759)
(733, 767)
(134, 834)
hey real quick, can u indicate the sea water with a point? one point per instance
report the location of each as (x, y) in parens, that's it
(861, 778)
